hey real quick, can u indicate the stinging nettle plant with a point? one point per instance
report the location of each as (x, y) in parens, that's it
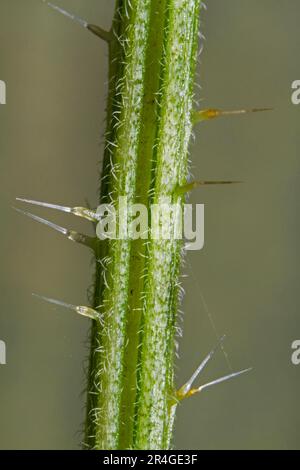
(131, 395)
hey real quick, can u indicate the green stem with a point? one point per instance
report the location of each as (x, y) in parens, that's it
(174, 131)
(113, 103)
(147, 141)
(152, 65)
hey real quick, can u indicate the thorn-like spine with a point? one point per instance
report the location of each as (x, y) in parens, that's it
(187, 391)
(72, 235)
(217, 381)
(82, 212)
(67, 14)
(104, 35)
(101, 33)
(208, 114)
(196, 184)
(81, 310)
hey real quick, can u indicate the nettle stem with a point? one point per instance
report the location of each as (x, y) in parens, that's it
(153, 50)
(131, 398)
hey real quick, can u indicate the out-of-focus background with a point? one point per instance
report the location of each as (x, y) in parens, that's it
(245, 281)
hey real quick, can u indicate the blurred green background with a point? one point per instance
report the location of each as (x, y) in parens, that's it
(50, 147)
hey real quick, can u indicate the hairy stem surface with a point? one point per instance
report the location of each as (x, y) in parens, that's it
(152, 63)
